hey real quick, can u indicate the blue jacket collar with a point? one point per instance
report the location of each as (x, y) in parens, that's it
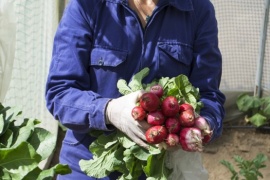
(183, 5)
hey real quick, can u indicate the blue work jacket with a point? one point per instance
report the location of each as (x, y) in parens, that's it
(99, 42)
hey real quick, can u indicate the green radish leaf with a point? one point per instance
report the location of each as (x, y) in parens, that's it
(123, 88)
(134, 166)
(191, 99)
(140, 153)
(109, 144)
(154, 150)
(258, 120)
(96, 148)
(163, 81)
(132, 160)
(125, 141)
(103, 165)
(155, 168)
(120, 165)
(183, 83)
(174, 92)
(136, 81)
(108, 140)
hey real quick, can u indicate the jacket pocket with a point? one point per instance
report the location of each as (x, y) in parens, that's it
(107, 57)
(176, 56)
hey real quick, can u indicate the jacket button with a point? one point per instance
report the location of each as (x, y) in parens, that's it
(100, 62)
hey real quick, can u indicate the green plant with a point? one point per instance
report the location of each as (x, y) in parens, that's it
(249, 169)
(257, 109)
(116, 152)
(23, 145)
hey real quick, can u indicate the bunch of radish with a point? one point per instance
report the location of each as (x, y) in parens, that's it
(172, 122)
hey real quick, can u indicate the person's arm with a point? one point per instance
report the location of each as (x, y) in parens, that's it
(68, 93)
(207, 67)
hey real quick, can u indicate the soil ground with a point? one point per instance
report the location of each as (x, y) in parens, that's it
(246, 143)
(243, 142)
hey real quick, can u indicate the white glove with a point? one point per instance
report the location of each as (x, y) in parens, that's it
(118, 113)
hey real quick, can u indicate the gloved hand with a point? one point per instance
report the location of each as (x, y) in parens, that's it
(118, 113)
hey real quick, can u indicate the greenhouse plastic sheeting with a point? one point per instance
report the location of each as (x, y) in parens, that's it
(27, 29)
(7, 44)
(26, 36)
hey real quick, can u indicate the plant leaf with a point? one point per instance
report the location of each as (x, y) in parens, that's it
(125, 141)
(57, 169)
(4, 175)
(258, 120)
(7, 138)
(39, 174)
(20, 160)
(266, 106)
(231, 168)
(140, 153)
(103, 165)
(259, 160)
(183, 83)
(134, 166)
(24, 131)
(7, 115)
(23, 146)
(246, 102)
(123, 87)
(43, 141)
(136, 81)
(155, 168)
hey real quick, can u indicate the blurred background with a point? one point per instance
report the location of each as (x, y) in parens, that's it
(27, 28)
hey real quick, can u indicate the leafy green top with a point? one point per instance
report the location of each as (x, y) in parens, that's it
(116, 152)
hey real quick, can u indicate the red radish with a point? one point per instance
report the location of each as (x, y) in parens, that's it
(170, 106)
(155, 118)
(203, 125)
(206, 138)
(173, 125)
(172, 140)
(187, 118)
(156, 134)
(191, 139)
(185, 106)
(138, 113)
(149, 101)
(157, 89)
